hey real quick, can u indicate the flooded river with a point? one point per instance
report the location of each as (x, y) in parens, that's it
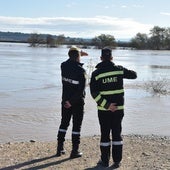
(30, 92)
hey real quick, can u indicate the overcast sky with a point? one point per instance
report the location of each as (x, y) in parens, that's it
(84, 18)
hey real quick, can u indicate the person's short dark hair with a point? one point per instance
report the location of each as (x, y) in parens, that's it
(73, 54)
(106, 53)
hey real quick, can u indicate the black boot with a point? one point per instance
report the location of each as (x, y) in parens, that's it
(75, 153)
(117, 153)
(105, 156)
(60, 149)
(103, 164)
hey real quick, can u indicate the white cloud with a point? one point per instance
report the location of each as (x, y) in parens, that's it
(123, 6)
(75, 27)
(165, 13)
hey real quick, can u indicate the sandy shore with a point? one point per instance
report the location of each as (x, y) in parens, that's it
(140, 153)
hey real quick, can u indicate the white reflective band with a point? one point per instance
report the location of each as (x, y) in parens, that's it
(70, 80)
(62, 130)
(117, 142)
(75, 133)
(105, 143)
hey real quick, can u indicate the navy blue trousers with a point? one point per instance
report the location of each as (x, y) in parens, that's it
(76, 113)
(111, 124)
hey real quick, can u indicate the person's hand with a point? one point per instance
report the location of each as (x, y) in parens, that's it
(82, 53)
(67, 104)
(112, 107)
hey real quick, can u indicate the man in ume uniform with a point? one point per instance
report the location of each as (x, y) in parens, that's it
(73, 93)
(107, 90)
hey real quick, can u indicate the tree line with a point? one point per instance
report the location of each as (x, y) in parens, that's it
(158, 39)
(98, 41)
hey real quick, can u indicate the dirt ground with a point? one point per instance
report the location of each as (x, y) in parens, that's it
(139, 153)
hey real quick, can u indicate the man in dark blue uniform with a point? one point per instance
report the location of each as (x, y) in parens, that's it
(107, 90)
(73, 81)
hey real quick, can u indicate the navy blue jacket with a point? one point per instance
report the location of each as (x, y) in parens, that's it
(73, 80)
(106, 85)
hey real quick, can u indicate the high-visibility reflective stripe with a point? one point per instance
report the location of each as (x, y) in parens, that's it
(112, 92)
(98, 98)
(62, 130)
(103, 103)
(105, 143)
(117, 142)
(111, 73)
(70, 80)
(75, 133)
(103, 109)
(120, 107)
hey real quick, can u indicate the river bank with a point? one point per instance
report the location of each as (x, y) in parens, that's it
(140, 153)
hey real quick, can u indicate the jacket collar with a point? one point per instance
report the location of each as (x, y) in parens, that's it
(75, 62)
(105, 64)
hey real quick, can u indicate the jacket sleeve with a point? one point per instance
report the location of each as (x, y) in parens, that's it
(80, 91)
(129, 74)
(95, 93)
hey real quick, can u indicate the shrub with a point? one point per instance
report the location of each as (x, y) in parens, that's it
(157, 87)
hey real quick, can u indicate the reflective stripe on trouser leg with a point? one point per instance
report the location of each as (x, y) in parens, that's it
(61, 135)
(117, 147)
(75, 137)
(75, 140)
(78, 112)
(105, 151)
(65, 120)
(105, 143)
